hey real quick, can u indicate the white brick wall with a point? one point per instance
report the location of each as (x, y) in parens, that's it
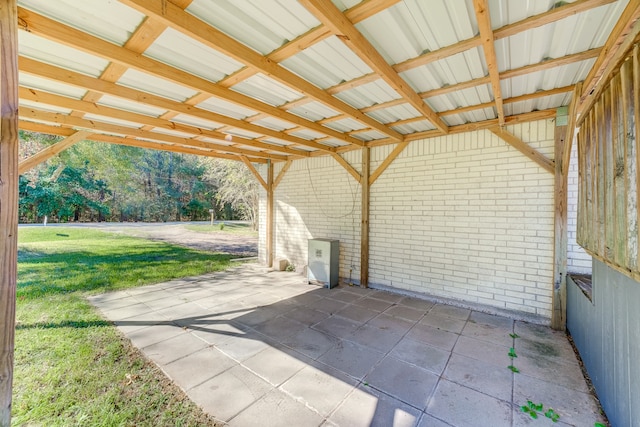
(578, 260)
(317, 199)
(463, 216)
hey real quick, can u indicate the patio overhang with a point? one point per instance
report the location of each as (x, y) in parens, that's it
(269, 82)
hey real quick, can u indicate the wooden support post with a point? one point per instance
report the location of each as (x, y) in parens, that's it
(559, 297)
(270, 189)
(8, 199)
(364, 228)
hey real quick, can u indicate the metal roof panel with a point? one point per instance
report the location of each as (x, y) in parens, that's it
(327, 63)
(264, 26)
(107, 19)
(182, 52)
(50, 52)
(148, 83)
(267, 90)
(47, 85)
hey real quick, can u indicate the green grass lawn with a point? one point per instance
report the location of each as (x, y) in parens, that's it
(71, 366)
(222, 227)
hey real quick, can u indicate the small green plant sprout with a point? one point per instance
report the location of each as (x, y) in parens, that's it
(534, 408)
(514, 335)
(512, 353)
(513, 369)
(291, 267)
(552, 415)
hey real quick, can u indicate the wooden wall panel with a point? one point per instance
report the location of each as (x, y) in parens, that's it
(608, 179)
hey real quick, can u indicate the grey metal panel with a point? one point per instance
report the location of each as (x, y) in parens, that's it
(607, 335)
(323, 267)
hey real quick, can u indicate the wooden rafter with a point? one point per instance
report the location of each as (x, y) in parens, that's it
(118, 140)
(80, 80)
(488, 39)
(533, 68)
(356, 14)
(51, 151)
(553, 15)
(72, 121)
(188, 24)
(521, 98)
(152, 122)
(69, 36)
(524, 148)
(626, 31)
(331, 17)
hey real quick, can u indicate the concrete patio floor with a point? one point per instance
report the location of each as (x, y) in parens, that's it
(253, 347)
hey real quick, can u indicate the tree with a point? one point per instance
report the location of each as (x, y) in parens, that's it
(236, 186)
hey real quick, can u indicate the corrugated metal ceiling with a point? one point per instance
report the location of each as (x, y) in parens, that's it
(350, 98)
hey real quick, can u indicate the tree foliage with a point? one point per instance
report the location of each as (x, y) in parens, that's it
(102, 182)
(236, 185)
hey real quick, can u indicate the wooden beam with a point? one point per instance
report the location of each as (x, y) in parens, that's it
(8, 200)
(270, 217)
(561, 234)
(524, 148)
(571, 129)
(390, 158)
(199, 30)
(77, 39)
(364, 221)
(521, 98)
(619, 43)
(255, 172)
(533, 68)
(547, 64)
(51, 151)
(552, 15)
(152, 122)
(118, 140)
(355, 14)
(281, 174)
(488, 46)
(72, 121)
(354, 173)
(485, 124)
(82, 81)
(331, 17)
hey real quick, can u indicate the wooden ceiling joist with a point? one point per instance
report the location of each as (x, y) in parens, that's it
(78, 122)
(69, 36)
(522, 98)
(624, 34)
(340, 25)
(487, 38)
(83, 81)
(162, 14)
(153, 122)
(188, 24)
(541, 66)
(118, 140)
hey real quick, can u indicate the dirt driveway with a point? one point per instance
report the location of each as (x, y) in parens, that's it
(177, 233)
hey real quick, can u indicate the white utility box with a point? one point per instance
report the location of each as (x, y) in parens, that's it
(323, 262)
